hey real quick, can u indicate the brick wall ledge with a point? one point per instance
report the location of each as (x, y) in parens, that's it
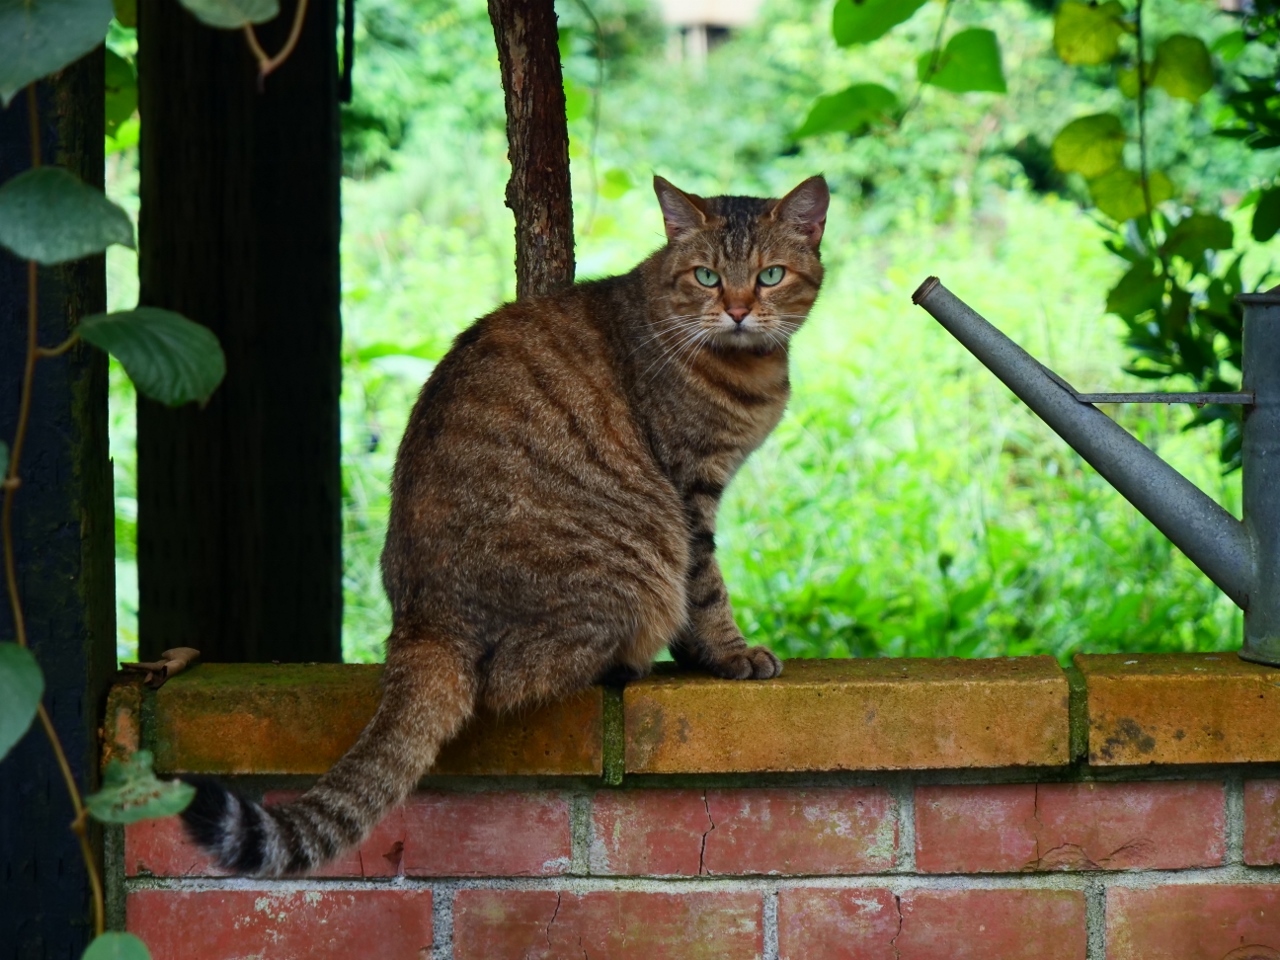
(912, 714)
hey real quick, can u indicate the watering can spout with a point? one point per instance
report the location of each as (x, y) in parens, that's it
(1212, 538)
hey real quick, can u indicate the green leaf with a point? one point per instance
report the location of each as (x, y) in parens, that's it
(4, 458)
(1266, 216)
(131, 792)
(970, 62)
(1229, 46)
(615, 183)
(1183, 67)
(126, 136)
(233, 14)
(1119, 195)
(50, 216)
(1191, 237)
(1086, 35)
(1090, 145)
(121, 91)
(861, 21)
(1138, 291)
(853, 110)
(21, 687)
(117, 946)
(168, 357)
(39, 37)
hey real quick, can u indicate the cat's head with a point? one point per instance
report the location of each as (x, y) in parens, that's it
(740, 272)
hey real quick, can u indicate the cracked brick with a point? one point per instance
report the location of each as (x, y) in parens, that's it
(1010, 828)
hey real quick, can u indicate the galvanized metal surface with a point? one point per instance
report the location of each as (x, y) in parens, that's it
(1260, 458)
(1216, 542)
(1199, 399)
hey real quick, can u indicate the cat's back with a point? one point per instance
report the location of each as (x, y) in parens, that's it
(524, 430)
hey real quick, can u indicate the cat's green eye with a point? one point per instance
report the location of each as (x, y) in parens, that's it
(771, 276)
(708, 278)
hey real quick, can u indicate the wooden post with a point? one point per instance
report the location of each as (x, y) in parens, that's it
(538, 193)
(239, 504)
(63, 528)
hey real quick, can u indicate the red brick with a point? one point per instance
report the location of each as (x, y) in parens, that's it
(820, 924)
(655, 833)
(432, 834)
(618, 924)
(975, 829)
(1262, 821)
(871, 924)
(1194, 923)
(735, 832)
(161, 848)
(1070, 826)
(826, 830)
(303, 925)
(485, 834)
(989, 924)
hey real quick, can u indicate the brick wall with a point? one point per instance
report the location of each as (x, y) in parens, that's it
(923, 810)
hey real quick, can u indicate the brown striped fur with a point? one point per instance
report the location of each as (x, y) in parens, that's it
(554, 503)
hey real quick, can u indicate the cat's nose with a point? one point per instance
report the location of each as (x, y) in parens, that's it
(738, 313)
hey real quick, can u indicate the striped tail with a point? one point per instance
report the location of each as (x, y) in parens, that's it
(428, 694)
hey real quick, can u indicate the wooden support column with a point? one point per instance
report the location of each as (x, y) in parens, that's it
(63, 527)
(239, 504)
(538, 138)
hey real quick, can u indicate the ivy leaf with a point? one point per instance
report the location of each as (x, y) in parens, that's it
(1086, 35)
(131, 792)
(49, 215)
(1090, 145)
(861, 21)
(233, 14)
(1138, 291)
(39, 37)
(970, 62)
(168, 357)
(1183, 67)
(1194, 235)
(1119, 195)
(854, 110)
(121, 91)
(21, 687)
(116, 946)
(1266, 216)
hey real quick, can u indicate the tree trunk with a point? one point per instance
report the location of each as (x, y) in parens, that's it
(239, 504)
(538, 137)
(63, 530)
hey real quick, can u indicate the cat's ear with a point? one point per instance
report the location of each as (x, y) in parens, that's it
(681, 212)
(806, 207)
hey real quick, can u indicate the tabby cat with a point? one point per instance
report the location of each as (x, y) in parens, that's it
(554, 503)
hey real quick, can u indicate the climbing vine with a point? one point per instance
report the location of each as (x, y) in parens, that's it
(48, 216)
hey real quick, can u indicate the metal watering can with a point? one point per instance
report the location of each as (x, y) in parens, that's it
(1241, 556)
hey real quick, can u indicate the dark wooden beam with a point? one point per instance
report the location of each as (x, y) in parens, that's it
(538, 137)
(239, 504)
(63, 527)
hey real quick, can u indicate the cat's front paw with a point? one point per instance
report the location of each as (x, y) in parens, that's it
(750, 663)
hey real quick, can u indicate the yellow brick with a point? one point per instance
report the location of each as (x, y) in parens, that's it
(852, 715)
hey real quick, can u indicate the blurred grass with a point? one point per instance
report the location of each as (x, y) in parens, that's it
(908, 505)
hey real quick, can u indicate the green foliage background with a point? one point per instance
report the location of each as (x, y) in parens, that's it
(908, 505)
